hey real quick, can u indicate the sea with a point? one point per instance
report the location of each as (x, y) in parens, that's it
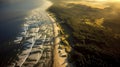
(12, 14)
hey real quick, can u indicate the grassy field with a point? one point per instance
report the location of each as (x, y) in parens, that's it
(93, 33)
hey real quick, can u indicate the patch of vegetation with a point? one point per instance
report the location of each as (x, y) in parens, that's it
(92, 43)
(65, 44)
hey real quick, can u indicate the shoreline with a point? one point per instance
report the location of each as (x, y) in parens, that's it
(14, 46)
(58, 60)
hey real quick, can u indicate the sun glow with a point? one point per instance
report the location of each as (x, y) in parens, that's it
(106, 0)
(110, 0)
(115, 0)
(101, 0)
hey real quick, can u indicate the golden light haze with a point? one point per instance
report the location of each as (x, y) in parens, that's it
(109, 0)
(106, 0)
(114, 0)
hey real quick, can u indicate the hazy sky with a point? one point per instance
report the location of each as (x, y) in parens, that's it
(110, 0)
(107, 0)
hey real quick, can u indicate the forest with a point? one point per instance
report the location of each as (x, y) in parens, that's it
(93, 34)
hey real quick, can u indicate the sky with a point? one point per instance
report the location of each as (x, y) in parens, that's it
(110, 0)
(107, 0)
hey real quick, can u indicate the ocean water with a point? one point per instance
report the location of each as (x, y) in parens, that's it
(12, 14)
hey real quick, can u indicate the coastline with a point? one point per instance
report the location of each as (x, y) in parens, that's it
(59, 61)
(20, 38)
